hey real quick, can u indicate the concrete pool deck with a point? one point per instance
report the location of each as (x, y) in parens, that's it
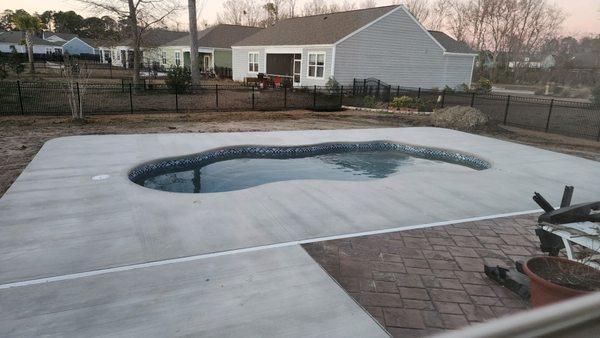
(105, 239)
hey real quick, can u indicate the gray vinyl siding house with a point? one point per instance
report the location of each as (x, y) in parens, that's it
(386, 43)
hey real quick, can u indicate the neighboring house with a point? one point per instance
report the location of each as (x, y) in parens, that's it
(386, 43)
(214, 47)
(536, 61)
(122, 53)
(78, 46)
(17, 39)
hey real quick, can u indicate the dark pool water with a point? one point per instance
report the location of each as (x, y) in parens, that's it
(236, 174)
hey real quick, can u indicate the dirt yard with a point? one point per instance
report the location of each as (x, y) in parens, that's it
(22, 137)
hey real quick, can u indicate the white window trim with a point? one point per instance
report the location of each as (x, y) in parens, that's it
(175, 58)
(163, 57)
(257, 63)
(308, 54)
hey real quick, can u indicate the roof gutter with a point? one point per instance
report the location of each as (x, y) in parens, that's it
(460, 54)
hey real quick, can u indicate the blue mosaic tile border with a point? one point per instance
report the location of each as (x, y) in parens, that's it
(150, 169)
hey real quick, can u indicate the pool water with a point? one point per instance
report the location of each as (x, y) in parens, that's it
(241, 173)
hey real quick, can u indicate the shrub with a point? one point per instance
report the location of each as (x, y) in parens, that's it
(596, 95)
(369, 101)
(463, 87)
(178, 78)
(332, 84)
(459, 117)
(404, 102)
(412, 103)
(484, 86)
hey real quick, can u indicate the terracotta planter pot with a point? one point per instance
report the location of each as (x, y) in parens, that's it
(544, 292)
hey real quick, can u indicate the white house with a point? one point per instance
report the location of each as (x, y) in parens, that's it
(386, 43)
(214, 46)
(122, 53)
(17, 39)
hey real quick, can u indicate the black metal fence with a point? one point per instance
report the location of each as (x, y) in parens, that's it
(39, 98)
(35, 98)
(578, 119)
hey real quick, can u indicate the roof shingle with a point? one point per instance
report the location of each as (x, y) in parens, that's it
(219, 36)
(315, 29)
(16, 37)
(451, 45)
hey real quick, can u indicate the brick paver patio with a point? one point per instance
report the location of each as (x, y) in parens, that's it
(419, 282)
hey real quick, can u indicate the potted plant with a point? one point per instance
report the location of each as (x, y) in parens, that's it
(554, 279)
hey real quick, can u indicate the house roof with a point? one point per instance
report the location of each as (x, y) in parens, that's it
(315, 29)
(451, 45)
(219, 36)
(64, 36)
(155, 38)
(16, 37)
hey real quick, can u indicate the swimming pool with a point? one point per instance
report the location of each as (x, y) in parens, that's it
(242, 167)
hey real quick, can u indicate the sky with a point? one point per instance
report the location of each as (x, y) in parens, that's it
(583, 16)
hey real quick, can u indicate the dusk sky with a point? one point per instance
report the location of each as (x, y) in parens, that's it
(583, 16)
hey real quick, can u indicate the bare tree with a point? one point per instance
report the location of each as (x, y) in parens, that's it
(241, 12)
(193, 23)
(315, 7)
(438, 14)
(418, 8)
(76, 84)
(365, 4)
(140, 15)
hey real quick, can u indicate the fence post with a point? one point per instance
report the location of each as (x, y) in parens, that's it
(549, 115)
(284, 97)
(130, 99)
(354, 87)
(378, 88)
(443, 97)
(252, 96)
(364, 86)
(78, 98)
(20, 97)
(341, 96)
(419, 93)
(472, 99)
(506, 109)
(315, 97)
(217, 95)
(176, 99)
(398, 91)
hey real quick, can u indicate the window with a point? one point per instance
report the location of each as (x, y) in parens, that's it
(316, 65)
(58, 50)
(253, 62)
(164, 58)
(48, 50)
(178, 59)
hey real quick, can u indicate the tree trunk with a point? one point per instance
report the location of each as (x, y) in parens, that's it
(136, 34)
(29, 45)
(194, 62)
